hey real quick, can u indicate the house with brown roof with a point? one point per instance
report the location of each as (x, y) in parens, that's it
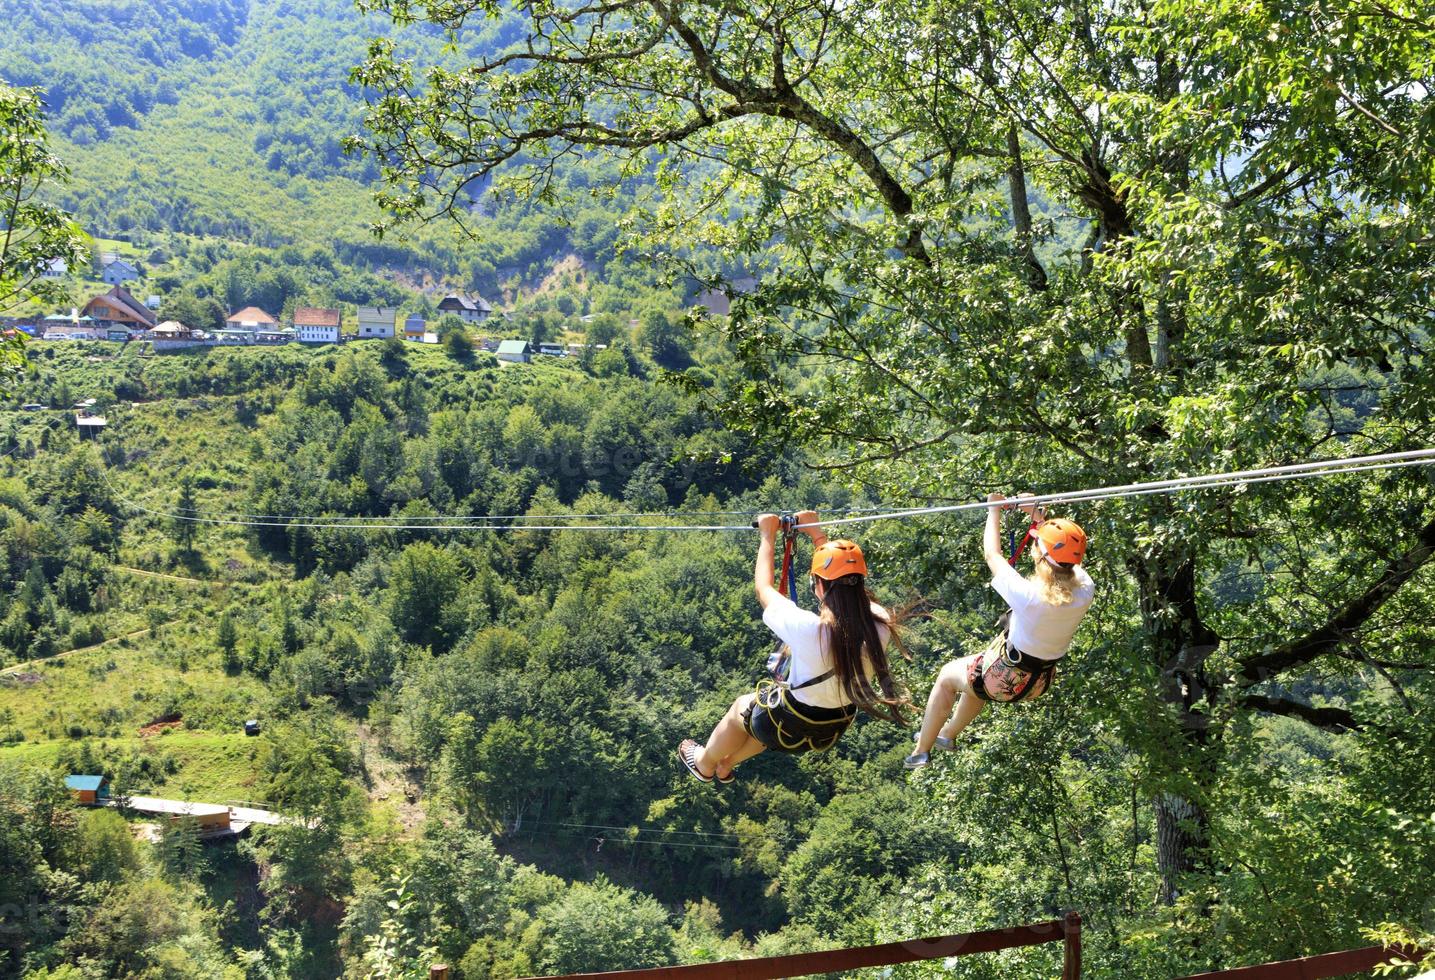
(316, 325)
(251, 318)
(470, 309)
(118, 307)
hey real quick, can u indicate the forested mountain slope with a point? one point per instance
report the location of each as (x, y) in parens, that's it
(224, 120)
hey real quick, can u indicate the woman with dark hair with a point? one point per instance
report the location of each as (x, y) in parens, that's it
(838, 661)
(1045, 609)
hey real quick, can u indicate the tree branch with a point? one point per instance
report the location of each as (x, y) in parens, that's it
(1330, 719)
(1339, 630)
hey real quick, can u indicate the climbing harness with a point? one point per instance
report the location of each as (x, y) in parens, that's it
(784, 724)
(1002, 660)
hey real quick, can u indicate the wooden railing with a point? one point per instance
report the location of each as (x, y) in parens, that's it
(1314, 967)
(1067, 931)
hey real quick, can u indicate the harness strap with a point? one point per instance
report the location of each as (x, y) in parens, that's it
(1018, 549)
(815, 680)
(787, 567)
(784, 582)
(1031, 680)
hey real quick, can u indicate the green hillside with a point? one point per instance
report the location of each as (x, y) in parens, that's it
(198, 133)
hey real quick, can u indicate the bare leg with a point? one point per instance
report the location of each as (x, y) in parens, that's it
(951, 681)
(749, 749)
(967, 708)
(728, 737)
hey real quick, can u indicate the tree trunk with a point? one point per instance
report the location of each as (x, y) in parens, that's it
(1180, 643)
(1182, 842)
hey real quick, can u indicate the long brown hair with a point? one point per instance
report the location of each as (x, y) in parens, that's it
(851, 630)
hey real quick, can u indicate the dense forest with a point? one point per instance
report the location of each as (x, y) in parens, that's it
(480, 724)
(992, 246)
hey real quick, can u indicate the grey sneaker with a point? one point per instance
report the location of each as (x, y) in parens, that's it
(942, 742)
(917, 760)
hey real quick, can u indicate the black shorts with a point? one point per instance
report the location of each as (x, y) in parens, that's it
(784, 724)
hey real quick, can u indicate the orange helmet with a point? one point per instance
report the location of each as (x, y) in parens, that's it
(836, 559)
(1065, 541)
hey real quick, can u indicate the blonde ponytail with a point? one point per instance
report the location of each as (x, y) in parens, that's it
(1054, 584)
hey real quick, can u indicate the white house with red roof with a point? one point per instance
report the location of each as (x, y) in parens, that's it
(316, 325)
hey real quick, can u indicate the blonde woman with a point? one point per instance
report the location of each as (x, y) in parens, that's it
(1045, 607)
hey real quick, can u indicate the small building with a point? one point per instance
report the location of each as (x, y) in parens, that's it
(89, 426)
(153, 302)
(470, 309)
(415, 326)
(251, 727)
(316, 325)
(171, 330)
(117, 272)
(89, 790)
(55, 269)
(377, 322)
(552, 350)
(718, 302)
(210, 817)
(515, 350)
(251, 318)
(118, 307)
(117, 333)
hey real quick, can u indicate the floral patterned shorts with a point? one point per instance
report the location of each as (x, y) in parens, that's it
(991, 670)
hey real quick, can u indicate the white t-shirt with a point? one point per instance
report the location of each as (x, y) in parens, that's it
(1036, 627)
(802, 632)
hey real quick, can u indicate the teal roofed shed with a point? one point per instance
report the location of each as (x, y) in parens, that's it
(87, 789)
(514, 350)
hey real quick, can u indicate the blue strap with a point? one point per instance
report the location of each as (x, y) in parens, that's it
(791, 579)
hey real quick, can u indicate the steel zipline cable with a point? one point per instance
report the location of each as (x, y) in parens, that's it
(181, 512)
(1239, 478)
